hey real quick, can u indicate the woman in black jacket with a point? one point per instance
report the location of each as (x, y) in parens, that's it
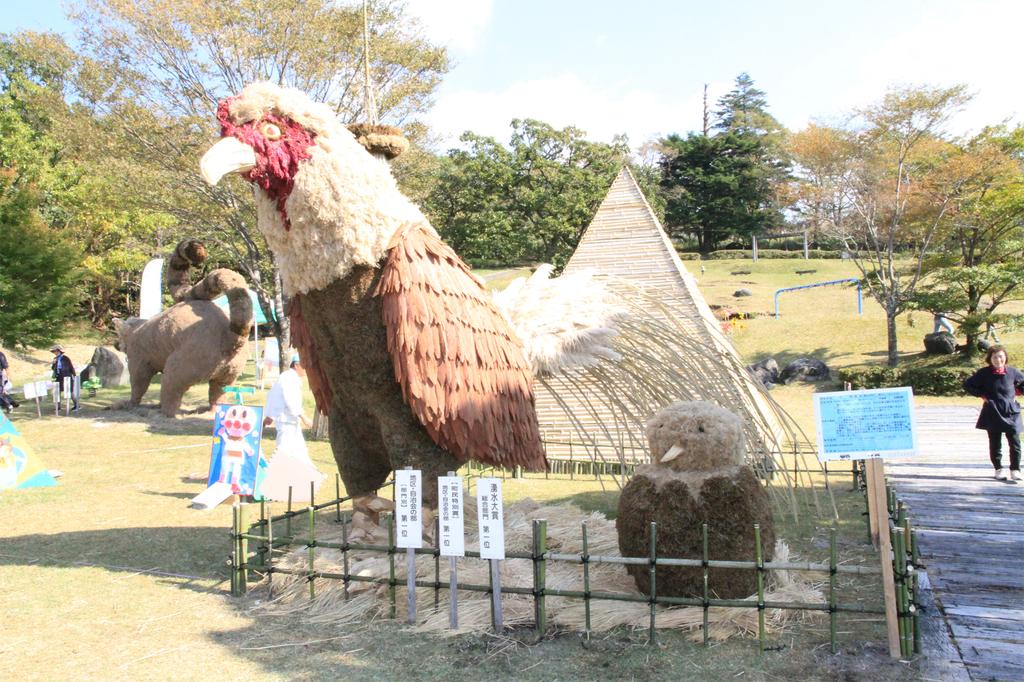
(997, 384)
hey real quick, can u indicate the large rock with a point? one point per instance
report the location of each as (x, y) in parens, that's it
(804, 369)
(766, 371)
(110, 366)
(940, 343)
(697, 476)
(740, 293)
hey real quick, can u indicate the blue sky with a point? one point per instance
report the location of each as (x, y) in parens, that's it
(639, 68)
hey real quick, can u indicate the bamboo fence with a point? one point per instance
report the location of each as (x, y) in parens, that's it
(255, 545)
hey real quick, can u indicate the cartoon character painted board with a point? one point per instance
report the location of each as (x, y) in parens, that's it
(237, 430)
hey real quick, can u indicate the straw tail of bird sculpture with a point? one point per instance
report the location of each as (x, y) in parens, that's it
(406, 351)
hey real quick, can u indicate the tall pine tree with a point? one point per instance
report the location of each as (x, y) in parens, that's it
(724, 186)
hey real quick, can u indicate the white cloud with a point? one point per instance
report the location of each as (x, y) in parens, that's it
(603, 111)
(456, 24)
(976, 43)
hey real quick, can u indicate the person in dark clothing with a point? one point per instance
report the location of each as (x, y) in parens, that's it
(63, 369)
(997, 384)
(7, 401)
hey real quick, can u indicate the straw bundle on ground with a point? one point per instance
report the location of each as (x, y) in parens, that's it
(368, 601)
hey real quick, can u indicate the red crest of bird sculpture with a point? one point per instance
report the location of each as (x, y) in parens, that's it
(405, 350)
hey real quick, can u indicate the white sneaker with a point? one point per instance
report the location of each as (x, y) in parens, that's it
(1000, 474)
(1015, 475)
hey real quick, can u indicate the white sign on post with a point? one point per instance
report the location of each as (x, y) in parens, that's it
(408, 513)
(490, 517)
(871, 424)
(450, 516)
(30, 392)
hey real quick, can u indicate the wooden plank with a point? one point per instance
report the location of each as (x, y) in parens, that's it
(986, 612)
(994, 631)
(990, 659)
(977, 598)
(875, 470)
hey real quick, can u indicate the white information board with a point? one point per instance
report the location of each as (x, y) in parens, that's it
(408, 512)
(450, 516)
(871, 424)
(491, 518)
(30, 392)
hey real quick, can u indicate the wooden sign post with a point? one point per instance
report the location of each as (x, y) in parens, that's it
(34, 391)
(409, 518)
(871, 425)
(490, 517)
(451, 541)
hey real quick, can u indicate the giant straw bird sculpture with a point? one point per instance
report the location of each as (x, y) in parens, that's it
(406, 351)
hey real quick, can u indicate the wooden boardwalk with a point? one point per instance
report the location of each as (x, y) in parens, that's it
(970, 530)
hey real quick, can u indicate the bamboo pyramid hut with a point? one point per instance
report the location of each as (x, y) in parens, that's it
(626, 244)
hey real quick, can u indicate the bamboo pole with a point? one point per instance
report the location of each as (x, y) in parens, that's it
(391, 562)
(243, 549)
(759, 557)
(870, 475)
(234, 550)
(586, 582)
(270, 556)
(917, 624)
(906, 628)
(704, 557)
(312, 552)
(540, 572)
(288, 524)
(832, 561)
(337, 498)
(653, 640)
(344, 560)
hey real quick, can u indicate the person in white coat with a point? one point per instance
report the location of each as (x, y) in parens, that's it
(290, 466)
(284, 408)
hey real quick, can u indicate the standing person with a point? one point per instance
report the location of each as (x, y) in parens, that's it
(290, 468)
(941, 324)
(7, 401)
(997, 383)
(63, 369)
(284, 407)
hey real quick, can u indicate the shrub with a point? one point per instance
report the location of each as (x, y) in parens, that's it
(688, 255)
(924, 380)
(771, 253)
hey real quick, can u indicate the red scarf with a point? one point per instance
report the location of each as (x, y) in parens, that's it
(1001, 370)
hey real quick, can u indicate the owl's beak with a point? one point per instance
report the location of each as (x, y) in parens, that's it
(671, 453)
(230, 155)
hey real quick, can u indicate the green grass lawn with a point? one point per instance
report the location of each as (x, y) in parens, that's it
(822, 323)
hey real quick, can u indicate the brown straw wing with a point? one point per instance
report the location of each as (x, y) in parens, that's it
(461, 368)
(303, 342)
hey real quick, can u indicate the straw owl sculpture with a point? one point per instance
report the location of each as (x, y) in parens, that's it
(697, 476)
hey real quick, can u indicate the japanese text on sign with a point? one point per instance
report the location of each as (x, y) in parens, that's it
(865, 424)
(408, 512)
(490, 517)
(449, 516)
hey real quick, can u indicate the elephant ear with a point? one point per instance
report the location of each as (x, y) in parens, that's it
(461, 368)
